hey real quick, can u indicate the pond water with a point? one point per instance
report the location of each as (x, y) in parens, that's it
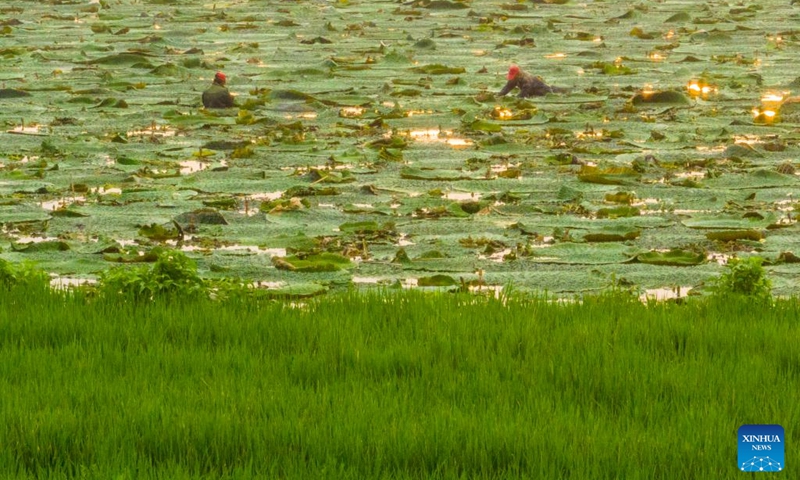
(664, 293)
(153, 131)
(62, 202)
(406, 106)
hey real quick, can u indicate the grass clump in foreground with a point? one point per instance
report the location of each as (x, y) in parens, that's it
(388, 385)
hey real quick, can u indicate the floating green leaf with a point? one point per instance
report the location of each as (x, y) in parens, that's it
(159, 232)
(617, 212)
(608, 176)
(618, 233)
(37, 247)
(484, 126)
(359, 227)
(436, 281)
(669, 97)
(442, 175)
(438, 69)
(583, 253)
(675, 257)
(13, 93)
(730, 221)
(733, 235)
(323, 262)
(68, 213)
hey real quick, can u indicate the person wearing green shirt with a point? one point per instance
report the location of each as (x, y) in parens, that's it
(217, 95)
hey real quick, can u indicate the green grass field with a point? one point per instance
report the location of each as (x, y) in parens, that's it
(390, 385)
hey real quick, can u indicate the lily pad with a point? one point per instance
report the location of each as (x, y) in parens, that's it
(294, 290)
(204, 216)
(128, 59)
(68, 212)
(484, 126)
(733, 235)
(12, 214)
(327, 176)
(669, 97)
(613, 234)
(617, 212)
(675, 257)
(37, 247)
(438, 69)
(437, 281)
(159, 232)
(359, 227)
(441, 175)
(323, 262)
(442, 4)
(680, 17)
(731, 221)
(134, 257)
(13, 93)
(608, 176)
(583, 253)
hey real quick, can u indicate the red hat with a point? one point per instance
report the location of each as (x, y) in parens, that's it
(220, 77)
(513, 71)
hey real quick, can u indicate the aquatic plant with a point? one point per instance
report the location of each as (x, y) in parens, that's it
(173, 274)
(744, 276)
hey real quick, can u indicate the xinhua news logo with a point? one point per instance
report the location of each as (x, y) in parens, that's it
(761, 448)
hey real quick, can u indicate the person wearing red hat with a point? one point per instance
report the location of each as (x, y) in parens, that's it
(217, 95)
(529, 85)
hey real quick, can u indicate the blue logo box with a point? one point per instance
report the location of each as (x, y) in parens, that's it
(761, 448)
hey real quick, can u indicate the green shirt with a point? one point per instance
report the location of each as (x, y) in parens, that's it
(217, 96)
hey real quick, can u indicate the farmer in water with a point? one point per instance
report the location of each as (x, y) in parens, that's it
(217, 95)
(529, 85)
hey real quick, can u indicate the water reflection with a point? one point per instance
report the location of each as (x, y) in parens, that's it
(25, 130)
(269, 196)
(369, 280)
(351, 112)
(106, 191)
(59, 203)
(303, 115)
(193, 166)
(664, 293)
(461, 196)
(437, 135)
(154, 131)
(67, 282)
